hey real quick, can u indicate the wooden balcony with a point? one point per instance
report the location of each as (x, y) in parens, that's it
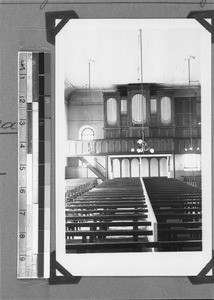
(124, 146)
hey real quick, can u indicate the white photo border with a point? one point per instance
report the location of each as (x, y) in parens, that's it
(135, 264)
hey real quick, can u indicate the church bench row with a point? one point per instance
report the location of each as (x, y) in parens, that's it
(160, 217)
(103, 211)
(162, 203)
(175, 234)
(93, 225)
(160, 196)
(179, 225)
(170, 215)
(177, 204)
(98, 224)
(172, 210)
(133, 246)
(112, 200)
(93, 235)
(175, 195)
(112, 197)
(124, 217)
(182, 225)
(178, 213)
(76, 187)
(103, 191)
(108, 209)
(112, 212)
(180, 202)
(178, 231)
(106, 204)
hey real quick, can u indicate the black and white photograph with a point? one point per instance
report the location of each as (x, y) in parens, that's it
(106, 134)
(132, 122)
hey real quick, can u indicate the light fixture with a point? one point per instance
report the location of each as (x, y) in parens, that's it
(142, 145)
(89, 72)
(190, 148)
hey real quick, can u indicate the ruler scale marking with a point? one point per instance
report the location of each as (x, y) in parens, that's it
(34, 171)
(22, 144)
(47, 155)
(41, 169)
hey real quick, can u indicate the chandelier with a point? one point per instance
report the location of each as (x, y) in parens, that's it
(192, 148)
(142, 145)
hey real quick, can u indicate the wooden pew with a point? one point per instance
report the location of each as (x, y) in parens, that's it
(95, 218)
(177, 208)
(86, 205)
(179, 225)
(96, 225)
(112, 213)
(131, 246)
(104, 234)
(97, 210)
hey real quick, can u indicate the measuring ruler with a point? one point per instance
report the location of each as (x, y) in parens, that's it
(33, 170)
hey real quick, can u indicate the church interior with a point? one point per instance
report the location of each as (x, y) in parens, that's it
(132, 123)
(133, 168)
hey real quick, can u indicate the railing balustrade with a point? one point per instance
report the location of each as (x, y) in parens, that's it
(193, 181)
(112, 146)
(99, 167)
(125, 145)
(78, 189)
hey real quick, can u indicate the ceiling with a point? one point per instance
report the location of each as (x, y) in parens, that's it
(108, 52)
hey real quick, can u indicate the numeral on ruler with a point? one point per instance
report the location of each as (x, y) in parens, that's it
(22, 220)
(22, 242)
(22, 193)
(23, 96)
(31, 83)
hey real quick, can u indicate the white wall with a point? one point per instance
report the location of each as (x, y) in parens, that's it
(85, 109)
(180, 166)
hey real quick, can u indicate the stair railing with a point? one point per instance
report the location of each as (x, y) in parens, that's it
(99, 167)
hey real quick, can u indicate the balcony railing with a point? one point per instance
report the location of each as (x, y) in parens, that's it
(193, 181)
(125, 145)
(115, 146)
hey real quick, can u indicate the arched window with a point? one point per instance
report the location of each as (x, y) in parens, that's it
(138, 106)
(153, 167)
(112, 111)
(87, 134)
(125, 168)
(163, 166)
(166, 110)
(145, 167)
(135, 167)
(116, 168)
